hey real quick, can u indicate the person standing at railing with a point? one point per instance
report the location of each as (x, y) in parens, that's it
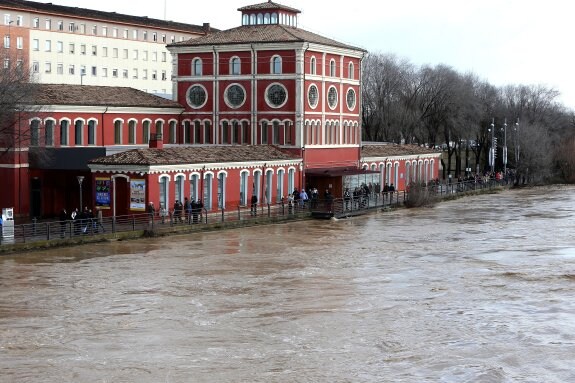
(188, 210)
(391, 190)
(303, 197)
(254, 205)
(200, 205)
(290, 203)
(63, 220)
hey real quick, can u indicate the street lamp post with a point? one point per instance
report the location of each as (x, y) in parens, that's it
(492, 149)
(505, 147)
(80, 180)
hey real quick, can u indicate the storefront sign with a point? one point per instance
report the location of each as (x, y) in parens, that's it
(138, 195)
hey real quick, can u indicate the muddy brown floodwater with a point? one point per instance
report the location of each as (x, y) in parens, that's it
(481, 289)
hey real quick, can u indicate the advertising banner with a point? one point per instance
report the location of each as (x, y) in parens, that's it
(103, 193)
(138, 195)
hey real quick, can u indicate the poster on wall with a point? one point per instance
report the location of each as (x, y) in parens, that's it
(138, 195)
(103, 193)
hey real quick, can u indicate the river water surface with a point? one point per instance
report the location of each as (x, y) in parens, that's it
(481, 289)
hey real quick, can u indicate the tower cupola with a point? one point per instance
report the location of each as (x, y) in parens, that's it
(269, 13)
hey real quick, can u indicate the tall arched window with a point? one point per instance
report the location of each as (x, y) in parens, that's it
(208, 179)
(222, 190)
(194, 187)
(267, 18)
(173, 127)
(92, 132)
(431, 168)
(332, 68)
(408, 172)
(146, 132)
(235, 65)
(245, 19)
(131, 132)
(236, 133)
(264, 132)
(276, 132)
(79, 132)
(207, 132)
(49, 132)
(350, 71)
(118, 132)
(244, 177)
(64, 124)
(268, 186)
(312, 66)
(252, 19)
(257, 185)
(179, 192)
(291, 180)
(225, 130)
(274, 18)
(164, 201)
(187, 132)
(276, 65)
(160, 129)
(280, 185)
(260, 18)
(245, 133)
(34, 132)
(197, 67)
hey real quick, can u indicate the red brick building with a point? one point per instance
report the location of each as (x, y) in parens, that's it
(260, 109)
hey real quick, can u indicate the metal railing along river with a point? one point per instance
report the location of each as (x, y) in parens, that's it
(92, 227)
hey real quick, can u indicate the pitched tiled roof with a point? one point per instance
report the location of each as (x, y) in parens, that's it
(389, 150)
(33, 6)
(265, 33)
(269, 5)
(195, 155)
(87, 95)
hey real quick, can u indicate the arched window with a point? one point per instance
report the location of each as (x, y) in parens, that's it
(332, 68)
(34, 132)
(187, 132)
(131, 132)
(276, 65)
(92, 132)
(252, 19)
(164, 184)
(280, 185)
(194, 187)
(260, 18)
(173, 127)
(264, 132)
(197, 132)
(276, 133)
(222, 190)
(267, 18)
(179, 192)
(431, 169)
(118, 132)
(235, 65)
(160, 130)
(312, 66)
(245, 133)
(208, 179)
(64, 124)
(49, 132)
(225, 130)
(244, 176)
(197, 67)
(207, 132)
(274, 18)
(245, 19)
(257, 185)
(79, 132)
(350, 71)
(268, 186)
(291, 180)
(146, 132)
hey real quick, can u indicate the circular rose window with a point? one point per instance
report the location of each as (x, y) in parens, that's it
(235, 96)
(332, 97)
(313, 96)
(197, 96)
(350, 98)
(276, 95)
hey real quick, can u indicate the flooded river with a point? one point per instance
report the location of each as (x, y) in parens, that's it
(480, 289)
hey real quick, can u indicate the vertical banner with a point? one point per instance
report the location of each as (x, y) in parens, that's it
(103, 193)
(138, 195)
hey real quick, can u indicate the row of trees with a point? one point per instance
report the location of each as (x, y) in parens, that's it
(437, 106)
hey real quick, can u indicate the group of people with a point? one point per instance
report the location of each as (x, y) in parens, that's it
(82, 222)
(188, 211)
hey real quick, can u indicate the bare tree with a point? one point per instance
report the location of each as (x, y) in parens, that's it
(17, 95)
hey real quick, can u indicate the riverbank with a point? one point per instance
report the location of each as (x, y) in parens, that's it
(168, 230)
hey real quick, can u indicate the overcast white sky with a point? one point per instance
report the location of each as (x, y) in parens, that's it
(502, 41)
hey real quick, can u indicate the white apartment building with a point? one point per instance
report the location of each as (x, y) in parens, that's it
(69, 45)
